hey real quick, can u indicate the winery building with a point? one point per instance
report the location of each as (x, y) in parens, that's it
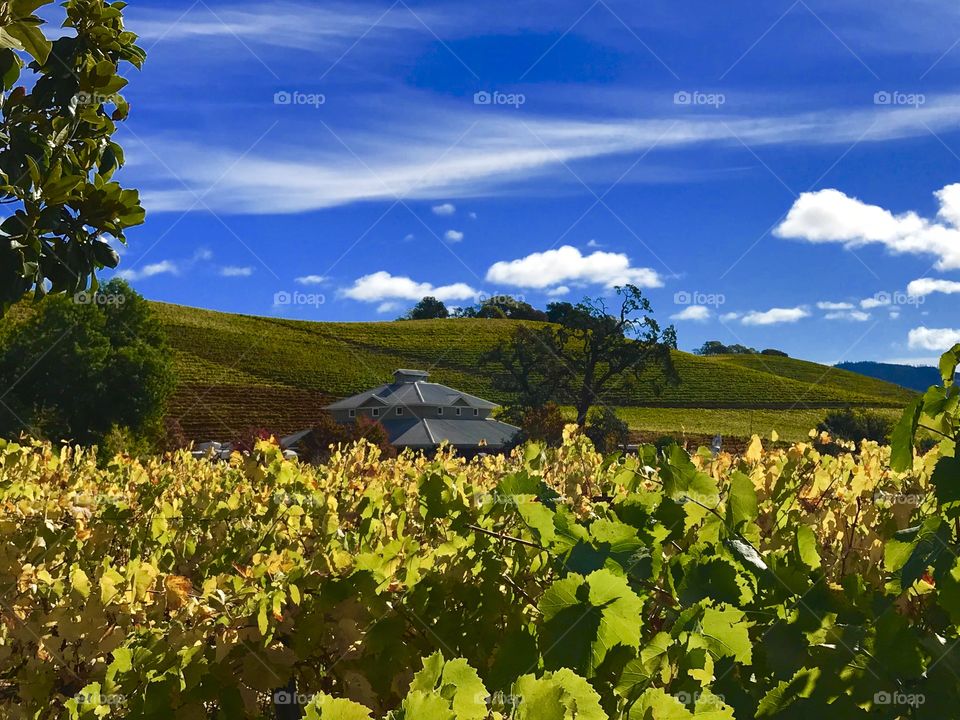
(421, 415)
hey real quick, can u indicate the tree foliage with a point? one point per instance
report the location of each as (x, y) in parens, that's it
(74, 367)
(585, 351)
(503, 307)
(429, 308)
(58, 115)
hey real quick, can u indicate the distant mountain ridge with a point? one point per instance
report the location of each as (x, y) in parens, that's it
(908, 376)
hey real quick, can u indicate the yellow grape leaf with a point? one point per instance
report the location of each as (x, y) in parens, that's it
(178, 589)
(755, 452)
(80, 582)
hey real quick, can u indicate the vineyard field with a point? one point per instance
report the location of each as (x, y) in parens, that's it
(284, 366)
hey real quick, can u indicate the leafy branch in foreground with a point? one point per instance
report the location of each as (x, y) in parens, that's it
(57, 153)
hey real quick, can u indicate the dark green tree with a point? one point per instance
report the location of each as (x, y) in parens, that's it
(586, 353)
(58, 114)
(504, 307)
(428, 309)
(72, 368)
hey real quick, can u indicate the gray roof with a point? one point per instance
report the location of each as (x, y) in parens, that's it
(410, 389)
(428, 433)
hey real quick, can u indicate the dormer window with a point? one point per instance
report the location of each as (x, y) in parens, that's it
(375, 412)
(458, 412)
(352, 413)
(476, 412)
(399, 411)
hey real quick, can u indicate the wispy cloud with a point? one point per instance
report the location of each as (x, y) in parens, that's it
(311, 279)
(453, 235)
(164, 267)
(235, 271)
(444, 210)
(468, 155)
(775, 316)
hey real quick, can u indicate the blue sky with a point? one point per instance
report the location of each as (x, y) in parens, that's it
(777, 174)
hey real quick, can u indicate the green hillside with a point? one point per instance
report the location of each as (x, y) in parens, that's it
(239, 371)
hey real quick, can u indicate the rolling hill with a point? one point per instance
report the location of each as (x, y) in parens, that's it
(908, 376)
(240, 371)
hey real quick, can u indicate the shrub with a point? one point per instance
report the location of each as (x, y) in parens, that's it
(856, 425)
(606, 430)
(544, 424)
(327, 433)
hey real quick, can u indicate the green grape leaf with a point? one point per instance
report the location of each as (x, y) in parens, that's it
(560, 695)
(901, 441)
(586, 617)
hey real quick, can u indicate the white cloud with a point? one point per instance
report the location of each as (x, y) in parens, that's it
(593, 244)
(852, 315)
(834, 306)
(696, 313)
(928, 286)
(164, 267)
(567, 264)
(408, 237)
(473, 216)
(234, 271)
(453, 235)
(382, 286)
(775, 316)
(830, 216)
(390, 306)
(444, 210)
(878, 300)
(895, 314)
(558, 291)
(730, 317)
(935, 339)
(311, 280)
